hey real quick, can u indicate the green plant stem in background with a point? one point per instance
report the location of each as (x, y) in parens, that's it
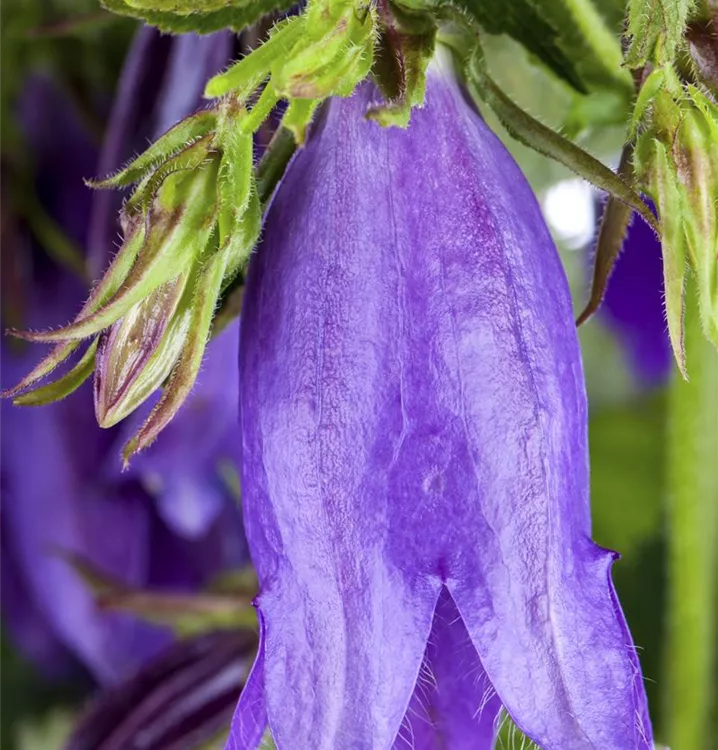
(692, 529)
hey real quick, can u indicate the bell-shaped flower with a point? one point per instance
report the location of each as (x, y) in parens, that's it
(415, 459)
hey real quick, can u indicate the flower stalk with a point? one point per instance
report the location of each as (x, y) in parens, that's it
(692, 528)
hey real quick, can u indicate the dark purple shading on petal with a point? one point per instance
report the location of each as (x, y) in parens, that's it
(62, 152)
(414, 417)
(454, 705)
(633, 305)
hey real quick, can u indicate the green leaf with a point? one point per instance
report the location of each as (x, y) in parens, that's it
(235, 17)
(656, 29)
(532, 133)
(569, 36)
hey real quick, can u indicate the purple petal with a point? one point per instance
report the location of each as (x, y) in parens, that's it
(182, 469)
(29, 630)
(63, 153)
(633, 305)
(414, 415)
(454, 705)
(51, 503)
(250, 718)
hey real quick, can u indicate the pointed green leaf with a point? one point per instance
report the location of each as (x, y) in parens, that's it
(235, 17)
(185, 373)
(611, 234)
(655, 28)
(64, 386)
(534, 134)
(176, 139)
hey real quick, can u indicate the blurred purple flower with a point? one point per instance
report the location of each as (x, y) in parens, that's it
(182, 469)
(633, 305)
(59, 494)
(415, 466)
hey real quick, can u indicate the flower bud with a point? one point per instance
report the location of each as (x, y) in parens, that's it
(677, 157)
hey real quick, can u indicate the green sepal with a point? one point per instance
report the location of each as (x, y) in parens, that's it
(64, 386)
(185, 373)
(245, 76)
(537, 136)
(298, 117)
(180, 222)
(655, 29)
(176, 139)
(611, 234)
(236, 17)
(193, 156)
(330, 64)
(243, 238)
(106, 288)
(235, 179)
(402, 58)
(268, 100)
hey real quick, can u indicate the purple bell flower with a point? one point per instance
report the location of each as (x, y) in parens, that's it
(58, 495)
(633, 306)
(415, 462)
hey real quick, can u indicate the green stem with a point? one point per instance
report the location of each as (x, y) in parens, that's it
(692, 518)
